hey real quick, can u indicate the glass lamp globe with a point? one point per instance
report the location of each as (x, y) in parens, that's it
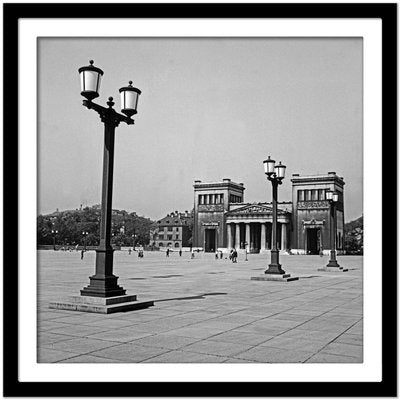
(280, 170)
(129, 99)
(90, 77)
(269, 166)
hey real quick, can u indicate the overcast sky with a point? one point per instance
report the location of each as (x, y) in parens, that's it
(210, 109)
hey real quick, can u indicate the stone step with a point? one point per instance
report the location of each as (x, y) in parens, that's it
(100, 308)
(275, 278)
(105, 301)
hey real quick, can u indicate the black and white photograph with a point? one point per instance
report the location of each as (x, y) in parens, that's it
(200, 196)
(231, 210)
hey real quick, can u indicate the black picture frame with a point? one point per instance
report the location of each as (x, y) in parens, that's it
(12, 386)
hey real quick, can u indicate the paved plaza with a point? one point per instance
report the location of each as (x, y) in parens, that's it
(205, 311)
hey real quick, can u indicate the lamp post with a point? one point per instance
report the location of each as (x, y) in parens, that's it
(103, 283)
(84, 239)
(275, 174)
(332, 197)
(54, 233)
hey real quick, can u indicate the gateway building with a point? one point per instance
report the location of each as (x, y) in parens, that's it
(222, 218)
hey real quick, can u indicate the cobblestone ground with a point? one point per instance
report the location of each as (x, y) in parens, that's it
(206, 311)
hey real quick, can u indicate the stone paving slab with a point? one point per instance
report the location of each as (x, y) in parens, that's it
(344, 349)
(89, 359)
(275, 355)
(320, 358)
(185, 357)
(166, 341)
(206, 311)
(79, 345)
(50, 356)
(129, 352)
(217, 348)
(121, 335)
(77, 330)
(241, 337)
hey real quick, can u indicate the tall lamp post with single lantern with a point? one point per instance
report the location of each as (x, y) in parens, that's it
(54, 233)
(332, 197)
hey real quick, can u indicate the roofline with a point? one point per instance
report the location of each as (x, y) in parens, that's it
(211, 185)
(330, 177)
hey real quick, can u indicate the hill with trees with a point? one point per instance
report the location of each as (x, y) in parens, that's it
(71, 224)
(354, 236)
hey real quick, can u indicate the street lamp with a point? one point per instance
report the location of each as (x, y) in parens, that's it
(333, 197)
(84, 239)
(134, 241)
(54, 233)
(275, 174)
(104, 283)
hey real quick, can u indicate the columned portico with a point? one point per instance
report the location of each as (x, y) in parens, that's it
(252, 224)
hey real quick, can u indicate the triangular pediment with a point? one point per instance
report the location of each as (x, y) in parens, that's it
(251, 209)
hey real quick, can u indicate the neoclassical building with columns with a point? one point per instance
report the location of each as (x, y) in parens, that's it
(223, 220)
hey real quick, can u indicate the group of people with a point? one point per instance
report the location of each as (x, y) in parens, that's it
(169, 251)
(219, 254)
(140, 252)
(232, 255)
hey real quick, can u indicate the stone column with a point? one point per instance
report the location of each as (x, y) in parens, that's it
(263, 229)
(237, 236)
(248, 236)
(283, 237)
(229, 233)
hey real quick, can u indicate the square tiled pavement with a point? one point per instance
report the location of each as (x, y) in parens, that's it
(206, 311)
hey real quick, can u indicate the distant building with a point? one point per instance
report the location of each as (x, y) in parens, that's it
(173, 231)
(223, 220)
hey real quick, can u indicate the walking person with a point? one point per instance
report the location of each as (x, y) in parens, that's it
(180, 252)
(234, 256)
(129, 251)
(192, 256)
(167, 252)
(82, 253)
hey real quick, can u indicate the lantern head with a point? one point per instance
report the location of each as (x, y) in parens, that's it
(90, 81)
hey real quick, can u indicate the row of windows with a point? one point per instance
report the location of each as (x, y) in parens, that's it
(169, 228)
(235, 199)
(168, 244)
(176, 222)
(211, 198)
(169, 237)
(311, 194)
(315, 194)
